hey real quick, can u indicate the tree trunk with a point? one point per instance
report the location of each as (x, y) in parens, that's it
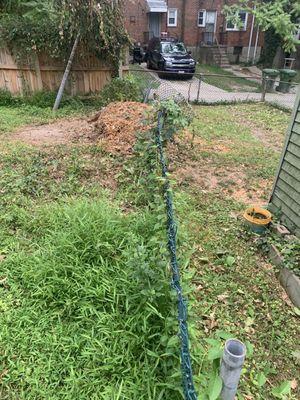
(66, 75)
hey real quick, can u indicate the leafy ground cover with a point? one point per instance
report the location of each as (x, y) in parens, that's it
(229, 82)
(82, 285)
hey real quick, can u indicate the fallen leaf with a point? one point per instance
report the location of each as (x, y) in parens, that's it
(204, 260)
(294, 384)
(223, 297)
(3, 281)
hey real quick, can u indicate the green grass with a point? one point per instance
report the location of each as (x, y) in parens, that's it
(230, 82)
(82, 315)
(86, 310)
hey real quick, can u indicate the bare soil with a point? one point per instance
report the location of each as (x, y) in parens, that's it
(114, 127)
(58, 132)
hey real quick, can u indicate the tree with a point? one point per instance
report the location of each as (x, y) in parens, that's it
(53, 25)
(280, 16)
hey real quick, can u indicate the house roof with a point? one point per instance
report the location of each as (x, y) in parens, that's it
(159, 6)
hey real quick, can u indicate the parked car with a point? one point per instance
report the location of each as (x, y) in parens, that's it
(170, 56)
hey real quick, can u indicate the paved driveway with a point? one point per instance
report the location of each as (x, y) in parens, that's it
(194, 90)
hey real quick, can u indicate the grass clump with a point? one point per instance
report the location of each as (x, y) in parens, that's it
(229, 81)
(87, 310)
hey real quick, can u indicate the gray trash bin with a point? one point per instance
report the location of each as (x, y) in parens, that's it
(269, 77)
(286, 79)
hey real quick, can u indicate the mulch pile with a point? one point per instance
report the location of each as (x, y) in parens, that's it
(117, 125)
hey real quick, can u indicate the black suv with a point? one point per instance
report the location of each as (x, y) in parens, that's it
(170, 56)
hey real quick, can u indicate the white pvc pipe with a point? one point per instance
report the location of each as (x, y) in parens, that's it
(251, 36)
(256, 42)
(231, 367)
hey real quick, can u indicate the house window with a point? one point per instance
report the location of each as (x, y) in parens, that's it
(243, 15)
(132, 19)
(172, 17)
(201, 18)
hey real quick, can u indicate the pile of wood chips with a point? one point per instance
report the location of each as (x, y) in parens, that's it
(117, 125)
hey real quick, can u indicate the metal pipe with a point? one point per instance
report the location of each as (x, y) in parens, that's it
(199, 87)
(251, 35)
(256, 43)
(231, 367)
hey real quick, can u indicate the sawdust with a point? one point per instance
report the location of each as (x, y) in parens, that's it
(117, 125)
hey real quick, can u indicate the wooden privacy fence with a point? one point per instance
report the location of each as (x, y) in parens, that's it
(40, 72)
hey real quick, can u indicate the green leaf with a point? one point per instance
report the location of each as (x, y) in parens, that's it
(282, 390)
(173, 341)
(214, 387)
(296, 355)
(214, 353)
(261, 379)
(224, 335)
(213, 342)
(250, 348)
(230, 261)
(297, 311)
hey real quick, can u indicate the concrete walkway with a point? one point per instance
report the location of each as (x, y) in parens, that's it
(193, 90)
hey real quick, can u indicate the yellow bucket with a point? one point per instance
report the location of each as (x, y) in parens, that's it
(257, 218)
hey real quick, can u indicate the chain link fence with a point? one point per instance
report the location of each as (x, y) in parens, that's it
(212, 88)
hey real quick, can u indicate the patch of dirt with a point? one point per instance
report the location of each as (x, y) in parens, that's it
(203, 175)
(272, 141)
(115, 127)
(58, 132)
(220, 146)
(265, 136)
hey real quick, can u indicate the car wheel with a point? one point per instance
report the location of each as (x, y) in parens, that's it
(149, 65)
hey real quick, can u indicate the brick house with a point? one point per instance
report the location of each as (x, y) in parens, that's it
(200, 24)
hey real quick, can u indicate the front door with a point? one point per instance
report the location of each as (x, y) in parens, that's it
(210, 27)
(154, 25)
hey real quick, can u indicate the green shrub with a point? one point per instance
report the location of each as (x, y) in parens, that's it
(6, 98)
(126, 89)
(45, 99)
(41, 99)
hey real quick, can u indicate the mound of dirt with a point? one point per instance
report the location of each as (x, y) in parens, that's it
(117, 124)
